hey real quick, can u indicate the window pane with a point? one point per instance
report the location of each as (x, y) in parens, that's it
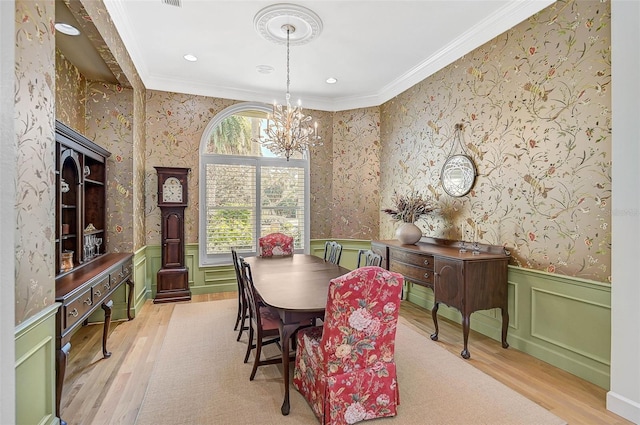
(230, 207)
(282, 202)
(235, 134)
(246, 191)
(239, 134)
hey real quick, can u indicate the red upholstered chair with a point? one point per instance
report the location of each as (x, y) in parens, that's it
(275, 244)
(346, 369)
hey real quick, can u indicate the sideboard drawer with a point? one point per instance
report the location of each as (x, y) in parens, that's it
(421, 275)
(120, 273)
(412, 258)
(75, 310)
(127, 268)
(100, 290)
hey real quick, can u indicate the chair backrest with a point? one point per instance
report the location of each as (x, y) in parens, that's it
(332, 252)
(275, 244)
(361, 319)
(238, 261)
(366, 257)
(249, 290)
(236, 265)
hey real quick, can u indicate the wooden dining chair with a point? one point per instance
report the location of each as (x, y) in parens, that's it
(275, 244)
(332, 252)
(346, 368)
(263, 324)
(243, 308)
(366, 257)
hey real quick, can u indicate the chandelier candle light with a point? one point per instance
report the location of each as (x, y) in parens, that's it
(288, 128)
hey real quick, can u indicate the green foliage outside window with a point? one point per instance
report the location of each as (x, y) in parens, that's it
(229, 228)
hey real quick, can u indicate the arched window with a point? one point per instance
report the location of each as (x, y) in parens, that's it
(246, 191)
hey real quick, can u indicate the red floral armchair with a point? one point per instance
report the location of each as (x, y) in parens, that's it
(346, 369)
(275, 244)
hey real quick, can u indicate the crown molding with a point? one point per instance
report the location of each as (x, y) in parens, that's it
(510, 15)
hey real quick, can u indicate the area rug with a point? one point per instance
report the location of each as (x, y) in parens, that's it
(199, 378)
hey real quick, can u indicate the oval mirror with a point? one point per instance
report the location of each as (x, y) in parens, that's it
(458, 175)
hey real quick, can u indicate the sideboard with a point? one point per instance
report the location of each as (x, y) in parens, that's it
(467, 281)
(80, 293)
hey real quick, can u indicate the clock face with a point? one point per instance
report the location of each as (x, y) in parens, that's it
(172, 190)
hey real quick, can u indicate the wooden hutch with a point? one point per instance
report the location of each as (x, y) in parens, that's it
(87, 275)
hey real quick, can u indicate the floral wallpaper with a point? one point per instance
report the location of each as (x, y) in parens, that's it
(96, 22)
(321, 178)
(35, 163)
(534, 102)
(175, 123)
(48, 86)
(536, 110)
(70, 93)
(536, 107)
(109, 124)
(106, 119)
(139, 172)
(356, 174)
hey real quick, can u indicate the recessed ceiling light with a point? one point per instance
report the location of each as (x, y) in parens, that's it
(265, 69)
(66, 28)
(190, 57)
(331, 80)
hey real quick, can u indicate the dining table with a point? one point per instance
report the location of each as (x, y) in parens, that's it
(296, 288)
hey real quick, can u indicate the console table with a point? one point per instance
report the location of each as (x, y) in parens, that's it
(83, 291)
(465, 281)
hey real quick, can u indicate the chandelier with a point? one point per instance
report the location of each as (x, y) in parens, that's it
(288, 128)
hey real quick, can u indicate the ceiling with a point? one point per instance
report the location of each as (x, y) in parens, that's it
(79, 50)
(375, 49)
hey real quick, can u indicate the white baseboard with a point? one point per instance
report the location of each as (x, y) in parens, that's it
(624, 407)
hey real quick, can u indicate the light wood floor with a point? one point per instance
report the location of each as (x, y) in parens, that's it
(110, 391)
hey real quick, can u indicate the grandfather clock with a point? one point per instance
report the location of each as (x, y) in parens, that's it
(173, 277)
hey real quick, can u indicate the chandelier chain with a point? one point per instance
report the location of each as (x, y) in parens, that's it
(288, 79)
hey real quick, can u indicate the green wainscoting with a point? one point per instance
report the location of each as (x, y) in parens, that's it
(141, 279)
(561, 320)
(35, 342)
(35, 369)
(202, 280)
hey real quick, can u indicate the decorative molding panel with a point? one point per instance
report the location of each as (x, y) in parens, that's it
(551, 308)
(35, 370)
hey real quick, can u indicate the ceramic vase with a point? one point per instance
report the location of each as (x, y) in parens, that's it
(408, 233)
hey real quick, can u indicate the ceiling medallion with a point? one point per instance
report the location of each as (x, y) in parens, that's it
(269, 21)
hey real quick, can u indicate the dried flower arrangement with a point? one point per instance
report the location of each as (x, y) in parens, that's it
(411, 207)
